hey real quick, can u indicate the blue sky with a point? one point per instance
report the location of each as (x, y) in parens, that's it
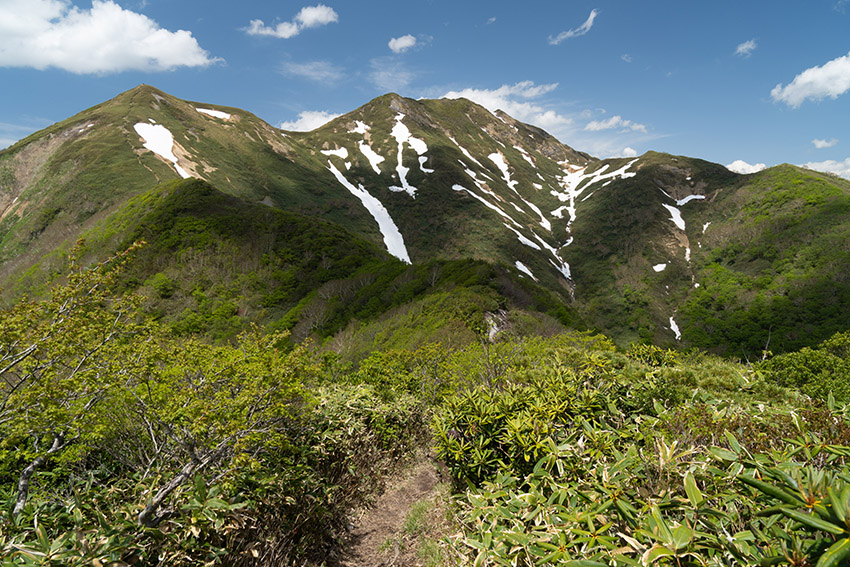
(764, 82)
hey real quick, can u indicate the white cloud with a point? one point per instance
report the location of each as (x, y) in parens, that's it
(579, 31)
(740, 166)
(308, 17)
(309, 120)
(318, 71)
(746, 48)
(626, 57)
(402, 44)
(389, 74)
(513, 99)
(615, 122)
(821, 144)
(491, 20)
(841, 168)
(829, 80)
(629, 152)
(104, 39)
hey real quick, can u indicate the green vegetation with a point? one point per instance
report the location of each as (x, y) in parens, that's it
(125, 443)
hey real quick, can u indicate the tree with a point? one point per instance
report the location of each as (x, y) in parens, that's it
(58, 362)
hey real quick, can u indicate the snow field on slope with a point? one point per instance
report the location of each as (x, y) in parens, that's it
(485, 202)
(374, 158)
(159, 140)
(499, 160)
(675, 328)
(359, 128)
(392, 236)
(675, 216)
(524, 269)
(403, 136)
(214, 113)
(341, 153)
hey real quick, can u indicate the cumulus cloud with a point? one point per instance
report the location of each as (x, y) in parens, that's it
(308, 17)
(613, 123)
(402, 44)
(745, 49)
(104, 39)
(629, 152)
(579, 31)
(841, 168)
(740, 166)
(308, 120)
(318, 71)
(821, 144)
(831, 79)
(515, 100)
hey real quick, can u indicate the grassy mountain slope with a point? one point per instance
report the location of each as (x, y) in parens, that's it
(659, 248)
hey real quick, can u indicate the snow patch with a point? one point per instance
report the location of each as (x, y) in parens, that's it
(675, 216)
(675, 328)
(402, 135)
(466, 153)
(499, 160)
(374, 158)
(523, 239)
(659, 267)
(485, 202)
(524, 269)
(688, 199)
(159, 140)
(392, 237)
(688, 255)
(214, 113)
(525, 155)
(359, 128)
(705, 226)
(340, 153)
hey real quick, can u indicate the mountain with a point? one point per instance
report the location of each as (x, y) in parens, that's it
(658, 248)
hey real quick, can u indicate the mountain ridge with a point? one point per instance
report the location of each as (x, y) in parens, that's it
(629, 243)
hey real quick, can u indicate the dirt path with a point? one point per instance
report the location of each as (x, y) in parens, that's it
(379, 538)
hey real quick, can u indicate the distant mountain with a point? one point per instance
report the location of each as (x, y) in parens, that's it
(660, 248)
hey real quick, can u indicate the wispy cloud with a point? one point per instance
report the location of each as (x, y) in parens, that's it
(841, 168)
(491, 20)
(740, 166)
(831, 79)
(821, 144)
(626, 57)
(318, 71)
(579, 31)
(516, 101)
(402, 44)
(104, 39)
(389, 74)
(309, 120)
(615, 122)
(307, 17)
(746, 49)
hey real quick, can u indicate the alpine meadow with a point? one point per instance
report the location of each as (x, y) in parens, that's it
(425, 332)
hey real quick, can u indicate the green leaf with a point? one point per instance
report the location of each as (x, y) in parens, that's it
(723, 454)
(836, 554)
(656, 552)
(813, 522)
(733, 442)
(692, 490)
(770, 490)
